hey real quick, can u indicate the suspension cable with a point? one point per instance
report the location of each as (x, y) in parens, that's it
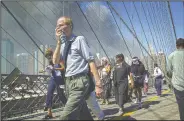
(22, 27)
(120, 31)
(170, 13)
(149, 28)
(93, 31)
(169, 23)
(141, 25)
(134, 35)
(157, 26)
(164, 27)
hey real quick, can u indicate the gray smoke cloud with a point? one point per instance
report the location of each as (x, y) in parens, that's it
(103, 24)
(39, 22)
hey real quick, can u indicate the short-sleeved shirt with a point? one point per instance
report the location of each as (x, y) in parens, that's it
(176, 68)
(50, 67)
(78, 56)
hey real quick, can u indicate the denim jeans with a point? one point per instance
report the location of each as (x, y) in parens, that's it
(158, 86)
(94, 106)
(54, 83)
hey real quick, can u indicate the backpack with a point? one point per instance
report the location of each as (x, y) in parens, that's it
(138, 72)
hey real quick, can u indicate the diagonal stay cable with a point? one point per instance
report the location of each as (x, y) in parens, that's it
(149, 28)
(164, 27)
(160, 26)
(18, 91)
(167, 24)
(159, 33)
(21, 45)
(21, 26)
(142, 28)
(170, 13)
(21, 72)
(10, 91)
(93, 20)
(141, 25)
(72, 11)
(84, 27)
(30, 54)
(134, 35)
(154, 28)
(37, 21)
(120, 32)
(93, 31)
(157, 26)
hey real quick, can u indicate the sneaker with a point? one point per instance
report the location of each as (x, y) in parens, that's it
(140, 105)
(48, 117)
(103, 102)
(136, 100)
(107, 102)
(145, 94)
(120, 111)
(45, 108)
(101, 116)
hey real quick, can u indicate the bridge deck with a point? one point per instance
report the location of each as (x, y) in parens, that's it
(154, 108)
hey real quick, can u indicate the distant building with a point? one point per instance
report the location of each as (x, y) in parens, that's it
(23, 62)
(7, 61)
(161, 61)
(159, 58)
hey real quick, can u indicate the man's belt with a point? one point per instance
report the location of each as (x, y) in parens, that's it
(76, 76)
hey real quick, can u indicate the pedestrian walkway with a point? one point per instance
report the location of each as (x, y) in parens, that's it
(154, 108)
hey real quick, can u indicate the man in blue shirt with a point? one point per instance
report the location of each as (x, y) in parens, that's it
(79, 64)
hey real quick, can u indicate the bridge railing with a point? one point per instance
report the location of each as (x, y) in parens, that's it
(23, 94)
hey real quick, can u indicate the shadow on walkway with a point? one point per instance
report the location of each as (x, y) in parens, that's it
(121, 118)
(132, 108)
(111, 111)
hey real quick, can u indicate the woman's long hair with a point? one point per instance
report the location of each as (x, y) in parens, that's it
(48, 55)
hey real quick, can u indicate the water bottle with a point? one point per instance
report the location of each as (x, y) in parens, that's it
(63, 38)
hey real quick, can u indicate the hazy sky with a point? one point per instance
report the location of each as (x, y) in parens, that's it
(39, 20)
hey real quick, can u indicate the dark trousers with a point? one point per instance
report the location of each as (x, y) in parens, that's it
(106, 93)
(158, 86)
(180, 100)
(54, 83)
(121, 94)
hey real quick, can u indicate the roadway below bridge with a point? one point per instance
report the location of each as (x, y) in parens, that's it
(154, 108)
